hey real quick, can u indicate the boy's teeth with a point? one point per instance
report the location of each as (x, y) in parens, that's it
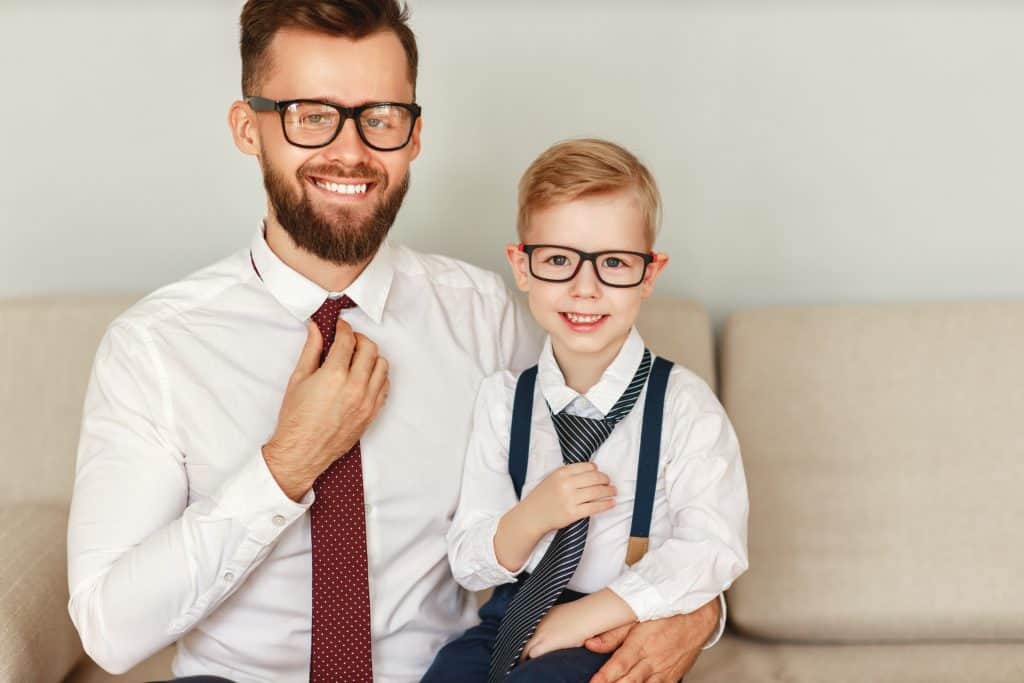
(341, 188)
(582, 319)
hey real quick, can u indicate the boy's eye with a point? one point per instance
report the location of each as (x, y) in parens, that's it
(558, 260)
(614, 262)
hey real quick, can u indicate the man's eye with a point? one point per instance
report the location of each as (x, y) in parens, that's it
(315, 119)
(375, 123)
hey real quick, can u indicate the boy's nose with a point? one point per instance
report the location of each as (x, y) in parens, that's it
(586, 284)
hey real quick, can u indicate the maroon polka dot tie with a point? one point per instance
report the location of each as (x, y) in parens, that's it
(341, 648)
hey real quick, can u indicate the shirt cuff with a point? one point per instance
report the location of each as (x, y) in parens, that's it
(253, 498)
(484, 561)
(647, 603)
(717, 635)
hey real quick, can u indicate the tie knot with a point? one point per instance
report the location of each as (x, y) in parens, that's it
(326, 319)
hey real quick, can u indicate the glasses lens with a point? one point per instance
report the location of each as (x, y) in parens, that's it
(386, 126)
(553, 263)
(310, 123)
(620, 268)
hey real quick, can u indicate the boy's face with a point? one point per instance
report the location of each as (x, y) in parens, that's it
(585, 316)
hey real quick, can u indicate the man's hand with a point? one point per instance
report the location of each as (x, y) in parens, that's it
(659, 651)
(325, 408)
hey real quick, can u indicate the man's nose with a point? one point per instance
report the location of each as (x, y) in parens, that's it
(585, 284)
(348, 148)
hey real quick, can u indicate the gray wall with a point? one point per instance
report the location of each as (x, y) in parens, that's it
(808, 151)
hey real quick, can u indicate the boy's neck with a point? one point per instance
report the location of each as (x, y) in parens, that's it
(582, 370)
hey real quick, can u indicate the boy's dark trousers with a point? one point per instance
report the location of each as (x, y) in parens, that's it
(467, 659)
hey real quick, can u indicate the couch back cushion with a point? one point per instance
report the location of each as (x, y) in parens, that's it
(884, 450)
(680, 330)
(46, 351)
(47, 348)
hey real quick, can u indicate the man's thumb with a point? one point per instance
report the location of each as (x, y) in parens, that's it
(609, 640)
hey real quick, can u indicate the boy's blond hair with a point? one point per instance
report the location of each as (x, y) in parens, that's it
(582, 167)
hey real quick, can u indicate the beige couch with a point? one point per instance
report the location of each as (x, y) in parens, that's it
(884, 449)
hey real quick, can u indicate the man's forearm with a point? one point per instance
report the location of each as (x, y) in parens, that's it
(130, 602)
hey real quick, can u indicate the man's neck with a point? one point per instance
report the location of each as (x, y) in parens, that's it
(331, 276)
(583, 370)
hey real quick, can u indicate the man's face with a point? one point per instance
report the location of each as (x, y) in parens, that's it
(339, 201)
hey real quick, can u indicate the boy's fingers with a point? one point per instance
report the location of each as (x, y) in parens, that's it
(595, 493)
(578, 468)
(595, 507)
(309, 358)
(590, 478)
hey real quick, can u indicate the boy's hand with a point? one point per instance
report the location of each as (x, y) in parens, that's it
(570, 493)
(559, 629)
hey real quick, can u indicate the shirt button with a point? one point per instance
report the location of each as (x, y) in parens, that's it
(229, 577)
(369, 508)
(278, 520)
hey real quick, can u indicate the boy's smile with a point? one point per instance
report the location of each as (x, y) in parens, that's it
(588, 320)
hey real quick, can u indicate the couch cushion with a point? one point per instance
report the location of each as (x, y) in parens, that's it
(37, 639)
(735, 660)
(681, 331)
(46, 352)
(883, 450)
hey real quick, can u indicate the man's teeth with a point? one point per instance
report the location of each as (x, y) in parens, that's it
(582, 319)
(342, 189)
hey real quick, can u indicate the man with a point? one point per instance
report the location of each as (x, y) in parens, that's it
(268, 491)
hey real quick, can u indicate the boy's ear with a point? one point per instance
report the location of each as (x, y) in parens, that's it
(654, 269)
(242, 121)
(520, 263)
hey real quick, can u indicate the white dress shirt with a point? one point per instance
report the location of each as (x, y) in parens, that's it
(698, 536)
(178, 531)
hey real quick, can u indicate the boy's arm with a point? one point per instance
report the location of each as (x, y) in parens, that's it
(707, 503)
(486, 493)
(572, 623)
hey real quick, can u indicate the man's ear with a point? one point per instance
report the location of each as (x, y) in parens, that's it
(520, 263)
(414, 141)
(654, 269)
(242, 121)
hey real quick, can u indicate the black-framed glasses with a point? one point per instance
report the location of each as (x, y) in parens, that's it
(383, 126)
(555, 263)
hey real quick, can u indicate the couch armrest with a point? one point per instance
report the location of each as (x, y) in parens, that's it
(38, 642)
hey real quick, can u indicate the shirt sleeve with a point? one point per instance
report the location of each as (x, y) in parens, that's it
(520, 337)
(144, 566)
(707, 499)
(486, 493)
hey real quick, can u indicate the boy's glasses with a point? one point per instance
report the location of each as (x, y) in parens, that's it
(554, 263)
(383, 126)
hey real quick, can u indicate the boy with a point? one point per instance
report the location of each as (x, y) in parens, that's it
(566, 457)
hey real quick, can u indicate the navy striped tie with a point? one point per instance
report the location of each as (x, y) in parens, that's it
(579, 438)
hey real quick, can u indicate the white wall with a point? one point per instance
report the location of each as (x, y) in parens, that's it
(821, 151)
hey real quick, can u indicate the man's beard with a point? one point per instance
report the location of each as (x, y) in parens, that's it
(338, 237)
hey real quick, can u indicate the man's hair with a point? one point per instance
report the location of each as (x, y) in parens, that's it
(355, 19)
(585, 167)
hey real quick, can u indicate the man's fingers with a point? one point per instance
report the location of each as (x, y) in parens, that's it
(363, 359)
(309, 359)
(609, 640)
(378, 376)
(339, 357)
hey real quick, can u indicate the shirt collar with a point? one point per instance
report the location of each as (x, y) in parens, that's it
(609, 388)
(302, 297)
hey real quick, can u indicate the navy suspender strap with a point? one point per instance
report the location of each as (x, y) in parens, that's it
(647, 465)
(519, 439)
(650, 448)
